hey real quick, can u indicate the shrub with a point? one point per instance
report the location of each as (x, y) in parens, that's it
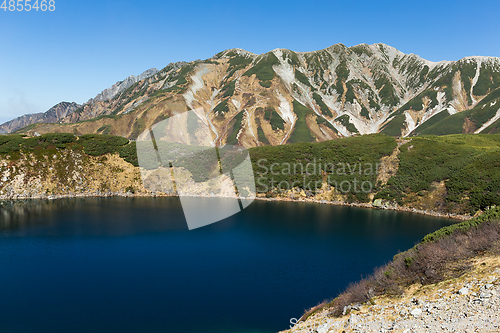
(301, 132)
(442, 254)
(263, 69)
(129, 153)
(353, 151)
(345, 120)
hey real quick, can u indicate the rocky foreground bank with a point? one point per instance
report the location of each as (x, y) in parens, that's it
(448, 282)
(470, 303)
(369, 205)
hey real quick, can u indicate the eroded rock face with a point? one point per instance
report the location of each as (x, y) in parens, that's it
(53, 115)
(120, 86)
(67, 173)
(66, 109)
(284, 96)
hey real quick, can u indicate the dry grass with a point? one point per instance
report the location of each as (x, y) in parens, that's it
(428, 263)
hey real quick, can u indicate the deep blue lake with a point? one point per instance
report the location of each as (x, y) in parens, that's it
(132, 265)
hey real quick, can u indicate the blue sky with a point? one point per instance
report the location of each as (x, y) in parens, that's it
(83, 47)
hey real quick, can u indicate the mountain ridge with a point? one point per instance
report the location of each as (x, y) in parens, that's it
(315, 96)
(54, 114)
(58, 111)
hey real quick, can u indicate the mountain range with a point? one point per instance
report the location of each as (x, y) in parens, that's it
(284, 96)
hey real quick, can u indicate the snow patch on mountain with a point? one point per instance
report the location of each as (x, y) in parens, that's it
(474, 81)
(285, 71)
(120, 86)
(410, 124)
(285, 110)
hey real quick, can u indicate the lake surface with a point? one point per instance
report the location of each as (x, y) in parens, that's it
(132, 265)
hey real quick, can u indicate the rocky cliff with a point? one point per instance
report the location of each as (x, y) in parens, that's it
(64, 111)
(67, 173)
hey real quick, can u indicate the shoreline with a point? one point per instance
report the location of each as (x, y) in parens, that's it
(369, 205)
(154, 195)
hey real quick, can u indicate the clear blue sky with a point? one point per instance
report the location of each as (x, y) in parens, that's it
(83, 47)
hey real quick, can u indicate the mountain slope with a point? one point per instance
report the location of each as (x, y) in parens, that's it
(65, 109)
(53, 115)
(284, 96)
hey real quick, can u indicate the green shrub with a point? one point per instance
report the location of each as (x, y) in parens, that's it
(467, 163)
(228, 89)
(345, 120)
(10, 143)
(364, 113)
(91, 144)
(221, 108)
(302, 78)
(231, 139)
(394, 127)
(489, 215)
(260, 133)
(129, 153)
(301, 132)
(100, 144)
(365, 149)
(324, 109)
(263, 69)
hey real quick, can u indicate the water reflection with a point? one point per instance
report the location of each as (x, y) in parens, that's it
(21, 213)
(90, 216)
(132, 265)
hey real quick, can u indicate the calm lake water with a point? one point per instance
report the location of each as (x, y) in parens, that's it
(131, 265)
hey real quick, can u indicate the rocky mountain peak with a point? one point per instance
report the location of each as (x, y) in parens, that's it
(120, 86)
(284, 96)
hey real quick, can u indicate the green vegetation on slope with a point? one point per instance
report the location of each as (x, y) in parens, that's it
(263, 69)
(260, 133)
(471, 119)
(417, 103)
(394, 126)
(468, 164)
(322, 121)
(302, 78)
(324, 109)
(228, 89)
(90, 144)
(345, 120)
(307, 166)
(231, 139)
(236, 62)
(444, 254)
(301, 132)
(364, 113)
(272, 117)
(342, 73)
(489, 78)
(468, 71)
(465, 167)
(431, 121)
(388, 94)
(221, 109)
